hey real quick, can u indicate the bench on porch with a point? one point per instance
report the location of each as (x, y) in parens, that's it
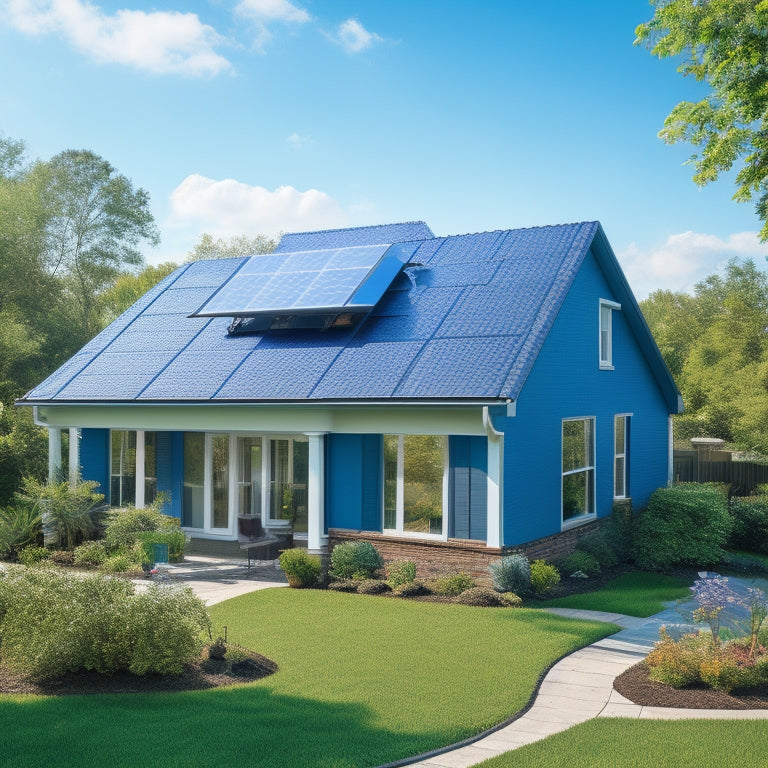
(252, 537)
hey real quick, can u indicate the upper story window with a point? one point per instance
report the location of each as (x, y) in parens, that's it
(415, 484)
(620, 456)
(607, 309)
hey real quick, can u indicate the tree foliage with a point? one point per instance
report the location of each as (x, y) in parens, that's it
(208, 247)
(716, 345)
(724, 43)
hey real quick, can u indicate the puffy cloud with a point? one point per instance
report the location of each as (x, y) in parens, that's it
(297, 141)
(228, 207)
(685, 259)
(161, 42)
(262, 12)
(354, 37)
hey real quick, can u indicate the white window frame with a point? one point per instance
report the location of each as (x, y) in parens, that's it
(398, 530)
(588, 516)
(623, 455)
(605, 331)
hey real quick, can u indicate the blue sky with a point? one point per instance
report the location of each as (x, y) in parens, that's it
(246, 116)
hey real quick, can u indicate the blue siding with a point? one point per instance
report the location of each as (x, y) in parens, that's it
(170, 470)
(353, 492)
(566, 382)
(468, 493)
(94, 458)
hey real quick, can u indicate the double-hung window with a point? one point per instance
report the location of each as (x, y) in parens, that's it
(133, 468)
(415, 484)
(607, 308)
(620, 456)
(578, 475)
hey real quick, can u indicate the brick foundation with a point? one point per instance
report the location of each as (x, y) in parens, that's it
(442, 558)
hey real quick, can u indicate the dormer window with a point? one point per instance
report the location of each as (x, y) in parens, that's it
(607, 309)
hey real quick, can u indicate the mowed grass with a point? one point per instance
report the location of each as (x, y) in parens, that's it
(362, 681)
(621, 743)
(633, 594)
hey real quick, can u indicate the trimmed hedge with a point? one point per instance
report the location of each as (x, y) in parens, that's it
(355, 559)
(750, 523)
(685, 524)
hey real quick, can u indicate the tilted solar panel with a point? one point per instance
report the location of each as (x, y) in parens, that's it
(329, 280)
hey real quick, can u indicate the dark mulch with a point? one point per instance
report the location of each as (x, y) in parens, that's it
(635, 685)
(244, 666)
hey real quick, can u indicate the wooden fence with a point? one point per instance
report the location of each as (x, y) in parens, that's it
(719, 467)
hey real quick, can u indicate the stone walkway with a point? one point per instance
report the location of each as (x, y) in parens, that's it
(579, 688)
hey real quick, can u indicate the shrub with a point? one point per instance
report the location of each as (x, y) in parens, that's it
(512, 574)
(90, 553)
(400, 572)
(543, 576)
(453, 585)
(355, 559)
(512, 600)
(484, 597)
(301, 568)
(343, 585)
(579, 561)
(175, 538)
(122, 562)
(32, 555)
(69, 513)
(62, 557)
(20, 527)
(677, 663)
(619, 530)
(165, 625)
(685, 524)
(53, 623)
(750, 523)
(596, 544)
(412, 589)
(125, 524)
(373, 587)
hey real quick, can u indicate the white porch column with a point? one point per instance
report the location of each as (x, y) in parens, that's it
(74, 455)
(139, 469)
(317, 541)
(495, 488)
(54, 453)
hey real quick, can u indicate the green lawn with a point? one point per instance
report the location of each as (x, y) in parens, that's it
(634, 594)
(362, 681)
(621, 743)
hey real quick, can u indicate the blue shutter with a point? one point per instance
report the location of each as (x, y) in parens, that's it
(165, 475)
(468, 487)
(372, 470)
(94, 458)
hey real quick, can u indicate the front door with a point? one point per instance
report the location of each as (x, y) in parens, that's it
(205, 503)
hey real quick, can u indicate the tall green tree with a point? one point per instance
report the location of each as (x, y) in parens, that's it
(129, 288)
(98, 220)
(723, 43)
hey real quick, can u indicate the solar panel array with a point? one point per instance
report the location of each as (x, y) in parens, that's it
(306, 281)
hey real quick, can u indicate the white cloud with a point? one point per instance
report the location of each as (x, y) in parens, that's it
(161, 42)
(685, 259)
(297, 141)
(354, 37)
(228, 207)
(262, 12)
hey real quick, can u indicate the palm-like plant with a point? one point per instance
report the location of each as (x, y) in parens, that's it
(20, 526)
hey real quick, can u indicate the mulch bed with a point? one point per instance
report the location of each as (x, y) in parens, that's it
(246, 667)
(635, 685)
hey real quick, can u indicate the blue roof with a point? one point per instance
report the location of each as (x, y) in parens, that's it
(347, 238)
(464, 322)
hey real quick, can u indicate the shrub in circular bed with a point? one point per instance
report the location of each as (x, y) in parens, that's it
(579, 561)
(372, 587)
(512, 600)
(301, 568)
(484, 597)
(352, 559)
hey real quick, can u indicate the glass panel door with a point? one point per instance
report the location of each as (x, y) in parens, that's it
(249, 476)
(288, 477)
(193, 502)
(220, 481)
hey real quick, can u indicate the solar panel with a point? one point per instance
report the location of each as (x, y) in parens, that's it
(336, 279)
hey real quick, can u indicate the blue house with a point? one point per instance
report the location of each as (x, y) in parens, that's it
(444, 397)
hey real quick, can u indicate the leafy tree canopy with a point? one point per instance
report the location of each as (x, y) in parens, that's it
(208, 247)
(724, 43)
(129, 288)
